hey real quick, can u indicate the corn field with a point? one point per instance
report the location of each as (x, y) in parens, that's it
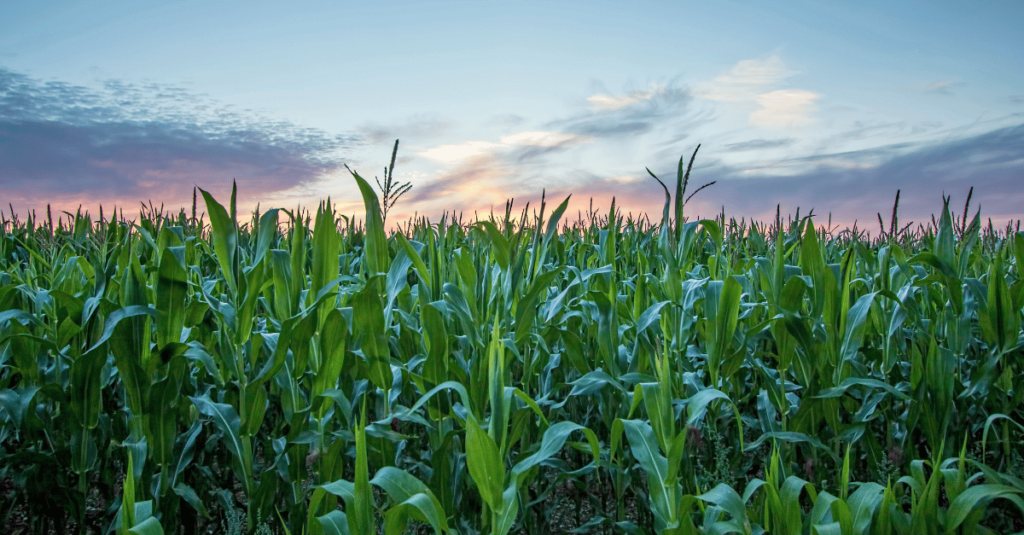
(312, 374)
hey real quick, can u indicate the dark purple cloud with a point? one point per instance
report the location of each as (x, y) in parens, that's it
(857, 185)
(64, 143)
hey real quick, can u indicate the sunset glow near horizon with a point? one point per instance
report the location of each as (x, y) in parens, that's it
(817, 105)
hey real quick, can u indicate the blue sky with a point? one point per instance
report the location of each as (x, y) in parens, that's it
(824, 105)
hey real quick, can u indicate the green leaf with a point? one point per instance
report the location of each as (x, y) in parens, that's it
(485, 464)
(149, 526)
(255, 409)
(224, 234)
(528, 305)
(980, 495)
(650, 316)
(607, 331)
(171, 295)
(412, 498)
(344, 489)
(189, 495)
(417, 263)
(435, 338)
(334, 523)
(161, 413)
(229, 423)
(16, 402)
(999, 320)
(794, 437)
(375, 253)
(128, 497)
(361, 508)
(944, 239)
(873, 384)
(333, 341)
(551, 443)
(324, 268)
(117, 316)
(855, 326)
(86, 384)
(499, 244)
(644, 446)
(552, 228)
(863, 503)
(447, 385)
(267, 232)
(396, 281)
(697, 405)
(368, 330)
(723, 306)
(284, 304)
(729, 500)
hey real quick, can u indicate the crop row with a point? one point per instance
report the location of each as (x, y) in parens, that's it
(306, 374)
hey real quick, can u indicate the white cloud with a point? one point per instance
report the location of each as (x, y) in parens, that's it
(460, 151)
(746, 79)
(800, 166)
(538, 138)
(471, 149)
(785, 108)
(610, 102)
(613, 102)
(750, 81)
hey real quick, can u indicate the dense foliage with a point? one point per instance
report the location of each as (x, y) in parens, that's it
(302, 374)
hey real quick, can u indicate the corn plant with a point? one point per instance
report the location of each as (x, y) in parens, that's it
(309, 372)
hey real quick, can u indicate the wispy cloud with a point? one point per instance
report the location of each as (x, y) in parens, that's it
(418, 127)
(853, 185)
(457, 152)
(124, 143)
(482, 173)
(528, 140)
(603, 101)
(631, 113)
(851, 159)
(507, 120)
(475, 182)
(747, 79)
(785, 109)
(759, 144)
(539, 139)
(943, 88)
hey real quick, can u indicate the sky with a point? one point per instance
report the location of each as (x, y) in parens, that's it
(830, 106)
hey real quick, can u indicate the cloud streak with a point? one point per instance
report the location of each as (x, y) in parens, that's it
(484, 173)
(943, 88)
(66, 144)
(746, 79)
(416, 127)
(851, 186)
(480, 173)
(785, 109)
(630, 114)
(759, 144)
(855, 185)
